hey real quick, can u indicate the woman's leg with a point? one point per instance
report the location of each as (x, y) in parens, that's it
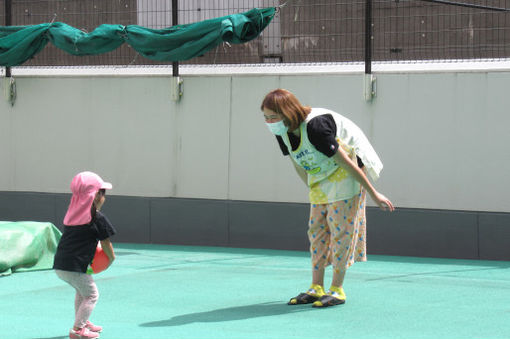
(319, 236)
(338, 278)
(318, 277)
(319, 240)
(348, 235)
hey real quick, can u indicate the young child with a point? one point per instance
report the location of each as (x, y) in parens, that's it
(84, 225)
(332, 156)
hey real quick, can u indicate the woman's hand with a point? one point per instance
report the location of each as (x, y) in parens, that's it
(343, 159)
(383, 202)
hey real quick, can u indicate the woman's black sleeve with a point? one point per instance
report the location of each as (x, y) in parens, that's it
(322, 134)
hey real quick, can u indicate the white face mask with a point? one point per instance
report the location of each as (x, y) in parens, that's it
(277, 128)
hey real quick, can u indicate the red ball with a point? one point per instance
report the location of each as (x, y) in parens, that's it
(100, 261)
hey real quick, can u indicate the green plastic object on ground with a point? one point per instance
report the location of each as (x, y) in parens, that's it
(181, 42)
(26, 246)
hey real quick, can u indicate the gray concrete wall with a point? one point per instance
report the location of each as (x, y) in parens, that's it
(442, 136)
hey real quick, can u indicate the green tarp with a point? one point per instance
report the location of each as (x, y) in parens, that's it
(27, 246)
(181, 42)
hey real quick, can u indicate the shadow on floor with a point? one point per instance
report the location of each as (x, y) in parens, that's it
(231, 314)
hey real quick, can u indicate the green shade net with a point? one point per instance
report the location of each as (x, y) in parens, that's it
(26, 246)
(181, 42)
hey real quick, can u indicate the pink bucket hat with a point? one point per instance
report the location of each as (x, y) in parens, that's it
(84, 187)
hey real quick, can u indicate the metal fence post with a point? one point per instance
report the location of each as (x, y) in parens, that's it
(369, 81)
(9, 82)
(176, 80)
(8, 22)
(368, 36)
(175, 21)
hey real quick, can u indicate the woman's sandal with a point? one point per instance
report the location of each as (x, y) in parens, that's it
(328, 301)
(302, 299)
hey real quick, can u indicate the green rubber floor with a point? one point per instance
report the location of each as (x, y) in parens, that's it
(168, 292)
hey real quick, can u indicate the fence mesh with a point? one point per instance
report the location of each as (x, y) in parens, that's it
(303, 31)
(419, 30)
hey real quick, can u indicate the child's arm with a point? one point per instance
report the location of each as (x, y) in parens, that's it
(107, 246)
(342, 158)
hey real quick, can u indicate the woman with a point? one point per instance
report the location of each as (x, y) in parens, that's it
(333, 157)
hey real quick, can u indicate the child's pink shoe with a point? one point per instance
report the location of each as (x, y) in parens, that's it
(83, 333)
(93, 328)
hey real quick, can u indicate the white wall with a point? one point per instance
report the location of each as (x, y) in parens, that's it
(443, 137)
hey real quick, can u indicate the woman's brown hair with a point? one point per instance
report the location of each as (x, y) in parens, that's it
(285, 103)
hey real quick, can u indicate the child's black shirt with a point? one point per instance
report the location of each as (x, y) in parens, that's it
(78, 244)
